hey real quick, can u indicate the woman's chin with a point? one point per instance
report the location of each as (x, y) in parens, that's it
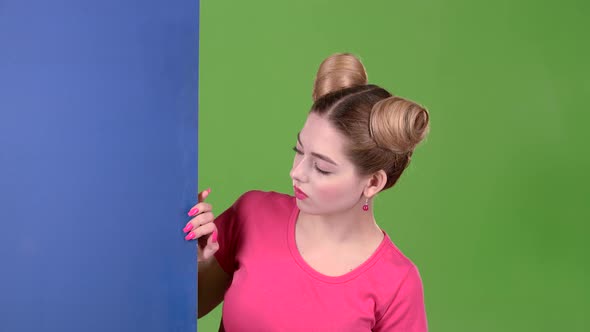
(303, 206)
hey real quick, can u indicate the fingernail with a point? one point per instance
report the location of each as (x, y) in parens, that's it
(190, 236)
(193, 211)
(188, 227)
(214, 236)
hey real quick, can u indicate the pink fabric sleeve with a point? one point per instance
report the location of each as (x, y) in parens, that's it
(229, 229)
(407, 312)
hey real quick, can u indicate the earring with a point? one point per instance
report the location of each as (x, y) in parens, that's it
(366, 206)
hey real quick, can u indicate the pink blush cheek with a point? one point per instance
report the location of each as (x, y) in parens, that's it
(332, 194)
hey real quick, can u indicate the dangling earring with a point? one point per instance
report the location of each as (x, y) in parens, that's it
(366, 206)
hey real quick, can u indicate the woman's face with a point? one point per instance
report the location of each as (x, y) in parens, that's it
(324, 180)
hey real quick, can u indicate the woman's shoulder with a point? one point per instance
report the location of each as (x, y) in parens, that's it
(399, 276)
(270, 200)
(396, 262)
(401, 297)
(262, 194)
(257, 195)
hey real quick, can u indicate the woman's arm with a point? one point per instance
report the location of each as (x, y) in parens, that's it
(213, 281)
(216, 257)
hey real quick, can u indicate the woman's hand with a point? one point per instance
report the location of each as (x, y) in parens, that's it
(202, 228)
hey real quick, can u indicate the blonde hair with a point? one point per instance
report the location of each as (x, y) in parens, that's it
(382, 130)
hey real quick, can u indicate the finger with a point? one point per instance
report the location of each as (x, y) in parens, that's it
(203, 241)
(199, 208)
(198, 221)
(203, 194)
(210, 250)
(200, 231)
(212, 245)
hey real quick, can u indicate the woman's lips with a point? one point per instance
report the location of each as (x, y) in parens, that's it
(299, 194)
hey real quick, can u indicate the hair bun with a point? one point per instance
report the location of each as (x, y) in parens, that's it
(398, 124)
(337, 72)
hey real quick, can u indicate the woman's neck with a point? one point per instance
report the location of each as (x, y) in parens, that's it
(348, 227)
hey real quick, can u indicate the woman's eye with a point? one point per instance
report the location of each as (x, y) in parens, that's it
(320, 170)
(314, 164)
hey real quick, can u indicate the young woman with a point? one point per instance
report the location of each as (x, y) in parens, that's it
(318, 261)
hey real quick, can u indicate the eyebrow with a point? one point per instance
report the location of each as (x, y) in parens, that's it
(321, 156)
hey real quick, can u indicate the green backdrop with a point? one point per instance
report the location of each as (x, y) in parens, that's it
(493, 209)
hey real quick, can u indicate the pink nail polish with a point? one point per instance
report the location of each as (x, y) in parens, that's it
(190, 236)
(193, 211)
(214, 236)
(188, 227)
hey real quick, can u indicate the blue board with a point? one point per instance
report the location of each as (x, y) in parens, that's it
(98, 164)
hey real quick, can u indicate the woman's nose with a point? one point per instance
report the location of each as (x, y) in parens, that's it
(297, 172)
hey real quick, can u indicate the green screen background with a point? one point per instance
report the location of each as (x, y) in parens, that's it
(494, 206)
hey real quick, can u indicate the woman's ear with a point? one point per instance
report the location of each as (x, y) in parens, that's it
(375, 183)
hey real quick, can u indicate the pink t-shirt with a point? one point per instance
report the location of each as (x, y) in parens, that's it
(274, 289)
